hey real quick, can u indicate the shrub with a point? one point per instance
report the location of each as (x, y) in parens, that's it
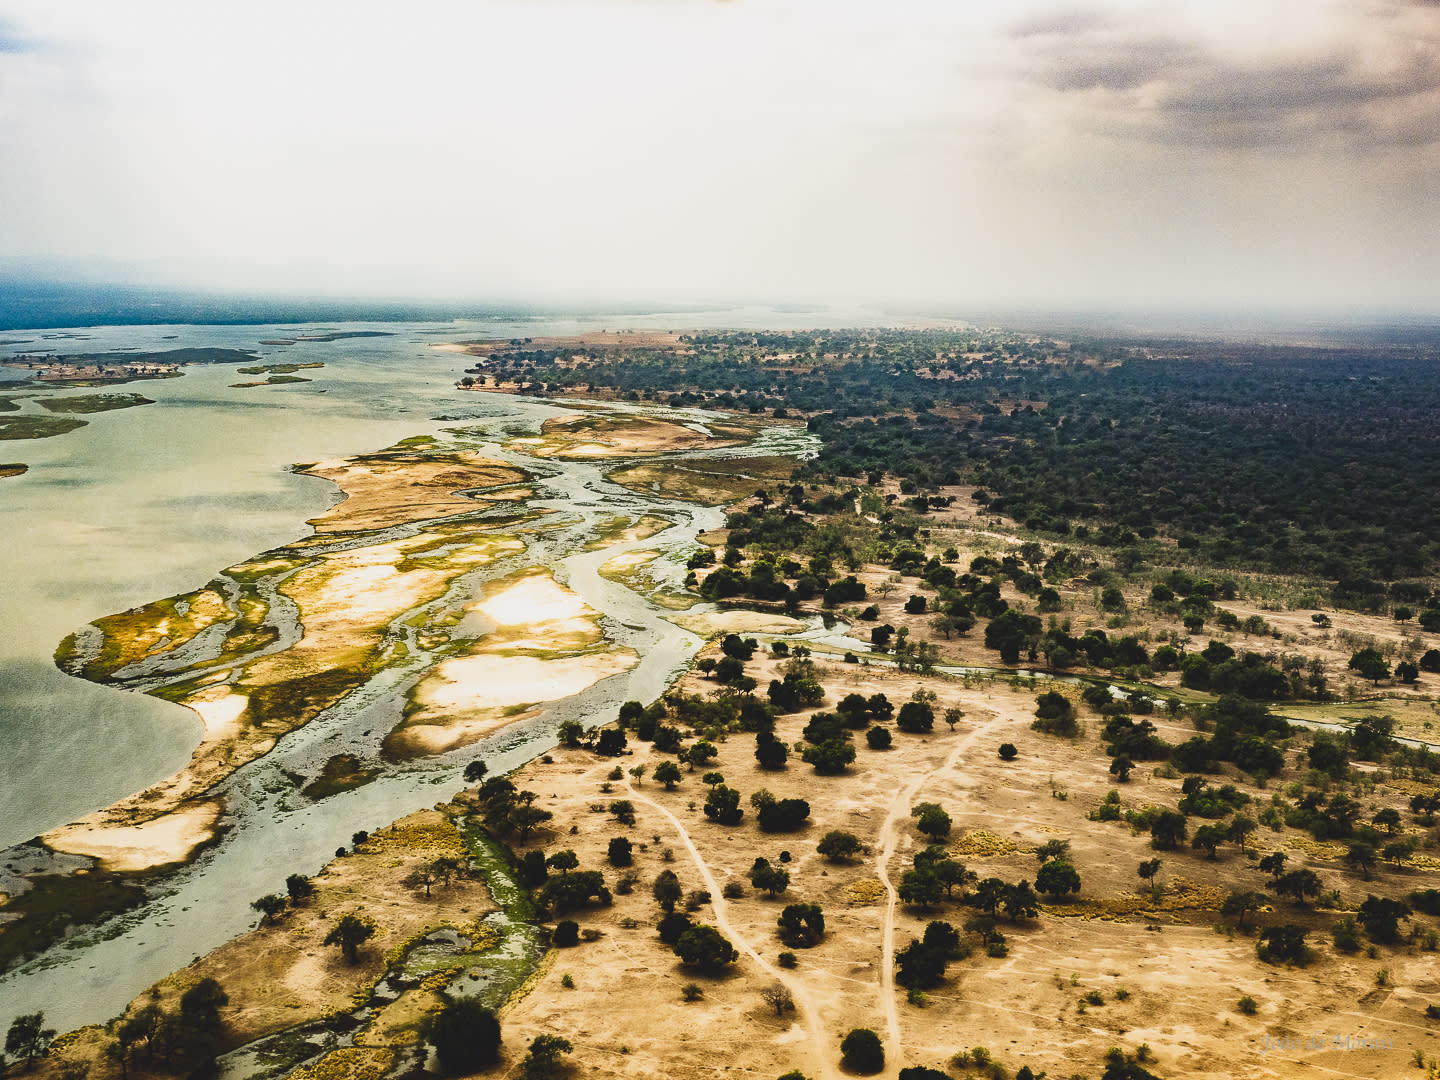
(862, 1051)
(1008, 752)
(567, 933)
(1248, 1005)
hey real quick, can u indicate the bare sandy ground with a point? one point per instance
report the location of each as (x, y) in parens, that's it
(540, 644)
(1165, 976)
(383, 490)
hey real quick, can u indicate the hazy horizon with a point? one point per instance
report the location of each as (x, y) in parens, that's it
(1113, 155)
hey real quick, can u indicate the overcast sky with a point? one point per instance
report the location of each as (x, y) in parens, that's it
(954, 152)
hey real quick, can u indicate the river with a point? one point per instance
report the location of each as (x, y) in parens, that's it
(149, 502)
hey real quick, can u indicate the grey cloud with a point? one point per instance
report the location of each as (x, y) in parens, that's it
(1065, 22)
(1167, 89)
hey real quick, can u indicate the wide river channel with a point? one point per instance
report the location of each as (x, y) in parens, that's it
(148, 502)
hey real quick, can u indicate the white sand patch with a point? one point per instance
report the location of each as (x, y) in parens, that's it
(170, 838)
(535, 598)
(220, 710)
(737, 622)
(626, 561)
(495, 682)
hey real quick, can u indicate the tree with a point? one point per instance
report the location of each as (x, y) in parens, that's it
(1167, 830)
(1121, 767)
(298, 886)
(934, 821)
(778, 997)
(1240, 903)
(829, 758)
(920, 965)
(770, 752)
(1240, 830)
(271, 907)
(350, 932)
(1298, 885)
(1388, 819)
(566, 935)
(543, 1060)
(669, 774)
(722, 806)
(475, 770)
(1208, 837)
(667, 890)
(1148, 869)
(878, 738)
(422, 876)
(1008, 752)
(774, 880)
(1055, 879)
(988, 895)
(953, 716)
(1381, 918)
(783, 815)
(700, 753)
(28, 1037)
(862, 1051)
(915, 718)
(706, 948)
(1054, 714)
(1020, 902)
(1370, 665)
(570, 732)
(465, 1035)
(564, 861)
(801, 925)
(839, 846)
(1283, 945)
(1273, 864)
(1361, 855)
(619, 851)
(921, 887)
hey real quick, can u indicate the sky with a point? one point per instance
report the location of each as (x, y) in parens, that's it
(955, 153)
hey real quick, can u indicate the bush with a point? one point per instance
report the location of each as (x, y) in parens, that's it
(465, 1034)
(1284, 945)
(862, 1051)
(567, 933)
(1008, 752)
(879, 738)
(1248, 1005)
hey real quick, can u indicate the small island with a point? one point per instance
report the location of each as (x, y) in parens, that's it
(93, 403)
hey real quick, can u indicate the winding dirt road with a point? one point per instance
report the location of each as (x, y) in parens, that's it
(886, 842)
(823, 1049)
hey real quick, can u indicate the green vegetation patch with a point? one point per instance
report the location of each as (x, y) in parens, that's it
(56, 902)
(276, 369)
(94, 403)
(343, 772)
(8, 404)
(37, 427)
(273, 380)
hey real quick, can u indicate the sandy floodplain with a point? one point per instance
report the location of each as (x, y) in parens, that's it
(539, 642)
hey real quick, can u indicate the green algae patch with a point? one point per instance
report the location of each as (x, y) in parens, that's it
(152, 629)
(343, 772)
(273, 380)
(276, 369)
(56, 902)
(623, 529)
(94, 403)
(673, 481)
(37, 427)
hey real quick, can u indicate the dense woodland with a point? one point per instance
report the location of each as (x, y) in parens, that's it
(1308, 461)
